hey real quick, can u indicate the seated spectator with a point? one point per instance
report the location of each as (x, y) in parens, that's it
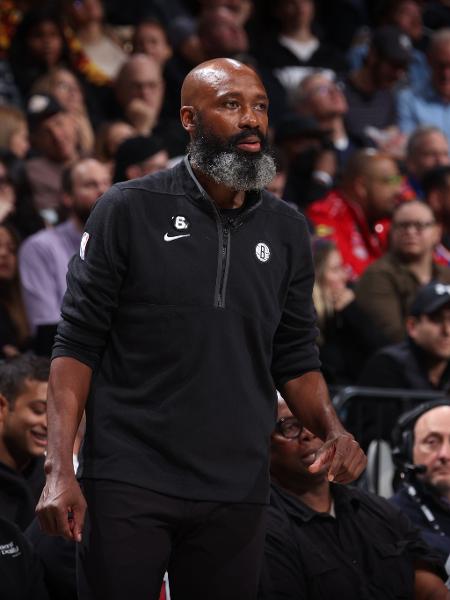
(437, 193)
(16, 197)
(150, 38)
(426, 149)
(14, 329)
(54, 138)
(91, 37)
(407, 16)
(37, 47)
(13, 131)
(108, 139)
(326, 540)
(21, 573)
(420, 362)
(296, 48)
(44, 256)
(355, 215)
(23, 436)
(310, 159)
(371, 89)
(388, 286)
(139, 156)
(65, 87)
(421, 449)
(321, 97)
(430, 105)
(347, 337)
(221, 35)
(139, 91)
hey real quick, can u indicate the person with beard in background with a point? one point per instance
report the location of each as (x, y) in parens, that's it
(44, 256)
(189, 303)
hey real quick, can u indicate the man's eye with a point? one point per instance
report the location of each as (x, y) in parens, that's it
(261, 106)
(231, 104)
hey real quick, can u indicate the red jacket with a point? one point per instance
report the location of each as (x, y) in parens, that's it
(343, 221)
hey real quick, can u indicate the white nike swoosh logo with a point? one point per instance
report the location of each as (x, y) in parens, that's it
(170, 238)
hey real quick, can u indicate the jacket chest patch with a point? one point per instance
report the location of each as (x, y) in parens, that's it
(262, 252)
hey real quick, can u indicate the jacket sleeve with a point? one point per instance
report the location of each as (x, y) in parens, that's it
(94, 282)
(294, 347)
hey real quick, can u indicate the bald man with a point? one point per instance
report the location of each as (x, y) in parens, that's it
(188, 305)
(425, 436)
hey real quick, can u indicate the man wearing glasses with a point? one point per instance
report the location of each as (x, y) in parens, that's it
(324, 539)
(387, 287)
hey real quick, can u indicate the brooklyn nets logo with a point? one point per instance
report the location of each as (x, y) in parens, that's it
(262, 252)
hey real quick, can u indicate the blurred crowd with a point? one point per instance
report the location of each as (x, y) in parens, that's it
(360, 130)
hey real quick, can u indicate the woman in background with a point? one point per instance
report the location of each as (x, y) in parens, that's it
(347, 336)
(14, 132)
(14, 331)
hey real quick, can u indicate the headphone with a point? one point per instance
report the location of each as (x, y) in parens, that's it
(403, 433)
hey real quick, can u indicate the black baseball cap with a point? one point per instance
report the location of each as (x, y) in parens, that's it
(392, 44)
(430, 298)
(133, 151)
(41, 107)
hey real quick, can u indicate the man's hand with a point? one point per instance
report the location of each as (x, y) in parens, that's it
(343, 457)
(62, 507)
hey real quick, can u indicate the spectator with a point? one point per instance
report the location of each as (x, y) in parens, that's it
(150, 38)
(407, 16)
(54, 138)
(23, 436)
(370, 90)
(109, 138)
(427, 148)
(437, 192)
(139, 156)
(296, 48)
(310, 159)
(221, 35)
(421, 449)
(65, 87)
(388, 286)
(93, 38)
(430, 105)
(325, 539)
(355, 215)
(21, 574)
(44, 256)
(420, 362)
(321, 97)
(37, 47)
(347, 337)
(14, 330)
(139, 91)
(240, 9)
(16, 198)
(13, 131)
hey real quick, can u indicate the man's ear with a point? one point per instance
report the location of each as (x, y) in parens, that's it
(4, 408)
(187, 114)
(411, 323)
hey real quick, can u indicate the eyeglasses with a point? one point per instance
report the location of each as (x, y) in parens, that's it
(327, 88)
(416, 225)
(288, 427)
(389, 179)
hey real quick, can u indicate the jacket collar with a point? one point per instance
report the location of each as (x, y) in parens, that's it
(199, 196)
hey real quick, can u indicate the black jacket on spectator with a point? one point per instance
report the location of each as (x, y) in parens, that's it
(400, 365)
(20, 491)
(57, 556)
(21, 575)
(348, 340)
(438, 540)
(366, 552)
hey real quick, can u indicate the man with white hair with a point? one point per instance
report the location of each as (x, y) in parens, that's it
(432, 105)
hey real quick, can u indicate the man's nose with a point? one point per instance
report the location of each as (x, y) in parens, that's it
(444, 450)
(248, 117)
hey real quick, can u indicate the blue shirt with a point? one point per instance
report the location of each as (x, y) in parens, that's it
(425, 108)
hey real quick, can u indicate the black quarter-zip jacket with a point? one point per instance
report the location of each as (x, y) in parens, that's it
(189, 320)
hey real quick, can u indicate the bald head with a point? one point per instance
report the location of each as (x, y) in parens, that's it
(211, 75)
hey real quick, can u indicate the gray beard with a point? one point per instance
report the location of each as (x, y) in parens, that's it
(233, 169)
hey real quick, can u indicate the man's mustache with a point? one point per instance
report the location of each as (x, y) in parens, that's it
(241, 137)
